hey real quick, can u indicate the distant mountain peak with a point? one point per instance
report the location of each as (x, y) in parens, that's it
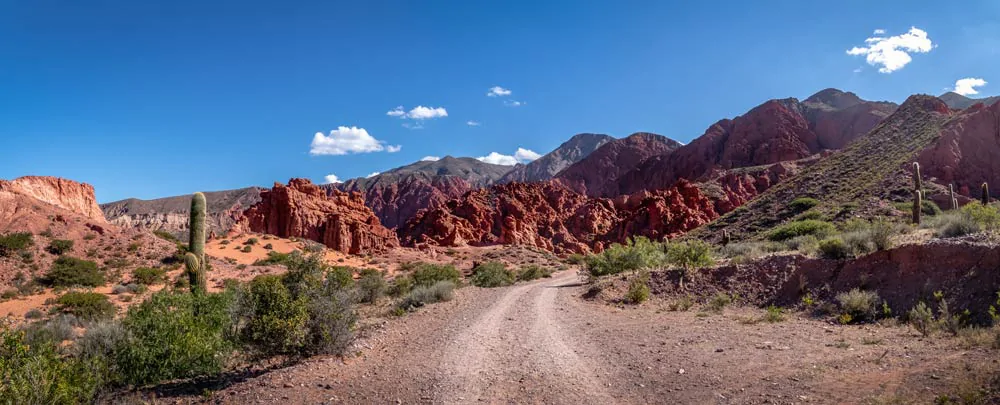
(960, 102)
(835, 98)
(577, 147)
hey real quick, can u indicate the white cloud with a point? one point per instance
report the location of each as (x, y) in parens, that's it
(422, 113)
(430, 158)
(892, 53)
(344, 140)
(879, 31)
(514, 103)
(526, 155)
(393, 148)
(497, 91)
(968, 86)
(858, 70)
(331, 179)
(498, 159)
(415, 125)
(473, 123)
(373, 174)
(396, 112)
(520, 156)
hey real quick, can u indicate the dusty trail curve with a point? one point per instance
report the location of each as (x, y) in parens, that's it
(539, 342)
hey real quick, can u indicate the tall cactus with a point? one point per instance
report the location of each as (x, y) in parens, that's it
(194, 260)
(986, 194)
(954, 201)
(917, 193)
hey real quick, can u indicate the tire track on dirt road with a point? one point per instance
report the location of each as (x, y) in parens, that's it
(518, 349)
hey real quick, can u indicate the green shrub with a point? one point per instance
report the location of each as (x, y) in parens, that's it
(774, 314)
(268, 247)
(805, 244)
(426, 274)
(59, 246)
(88, 306)
(819, 229)
(802, 203)
(491, 275)
(576, 259)
(149, 275)
(719, 301)
(306, 311)
(922, 318)
(272, 320)
(681, 304)
(167, 236)
(250, 242)
(341, 277)
(860, 305)
(401, 286)
(423, 295)
(168, 336)
(8, 294)
(14, 242)
(69, 271)
(833, 248)
(533, 272)
(750, 250)
(247, 249)
(33, 313)
(40, 374)
(689, 254)
(636, 254)
(275, 258)
(986, 216)
(927, 207)
(54, 331)
(638, 289)
(371, 286)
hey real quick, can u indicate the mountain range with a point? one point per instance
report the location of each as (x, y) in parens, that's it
(595, 189)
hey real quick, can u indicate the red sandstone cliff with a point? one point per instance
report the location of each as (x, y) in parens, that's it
(338, 220)
(966, 151)
(551, 216)
(66, 194)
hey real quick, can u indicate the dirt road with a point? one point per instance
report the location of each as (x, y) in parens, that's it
(540, 343)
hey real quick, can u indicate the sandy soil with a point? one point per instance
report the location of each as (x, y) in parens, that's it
(541, 343)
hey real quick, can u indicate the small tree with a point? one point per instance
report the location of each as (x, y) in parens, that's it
(689, 255)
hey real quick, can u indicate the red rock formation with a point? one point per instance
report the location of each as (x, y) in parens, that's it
(339, 220)
(662, 213)
(602, 167)
(66, 194)
(550, 216)
(966, 152)
(776, 131)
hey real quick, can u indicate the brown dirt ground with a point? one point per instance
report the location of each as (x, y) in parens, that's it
(540, 342)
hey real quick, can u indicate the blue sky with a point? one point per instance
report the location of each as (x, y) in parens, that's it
(151, 99)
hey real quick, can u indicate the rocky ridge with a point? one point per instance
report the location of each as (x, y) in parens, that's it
(339, 220)
(66, 194)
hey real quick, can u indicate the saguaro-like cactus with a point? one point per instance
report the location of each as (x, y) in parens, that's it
(194, 260)
(954, 201)
(917, 193)
(986, 194)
